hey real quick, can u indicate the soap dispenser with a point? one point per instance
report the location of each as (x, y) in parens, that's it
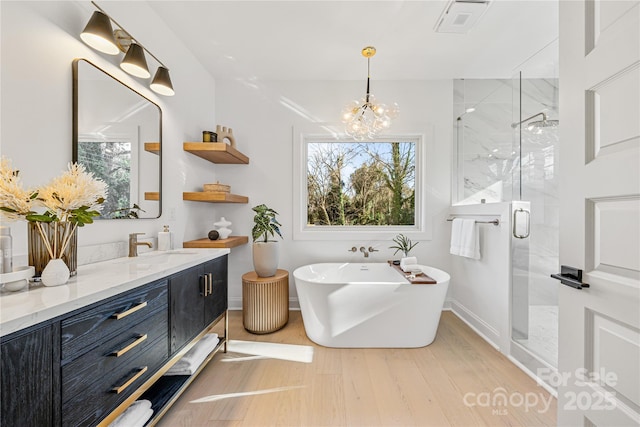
(165, 241)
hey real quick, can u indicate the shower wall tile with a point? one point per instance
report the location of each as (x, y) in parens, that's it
(488, 150)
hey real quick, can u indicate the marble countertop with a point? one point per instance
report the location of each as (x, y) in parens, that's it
(93, 283)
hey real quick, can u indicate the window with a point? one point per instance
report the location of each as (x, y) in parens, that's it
(344, 188)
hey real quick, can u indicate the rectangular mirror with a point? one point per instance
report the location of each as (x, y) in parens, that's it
(117, 135)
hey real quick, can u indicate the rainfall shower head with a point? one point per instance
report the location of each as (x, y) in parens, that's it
(538, 124)
(543, 124)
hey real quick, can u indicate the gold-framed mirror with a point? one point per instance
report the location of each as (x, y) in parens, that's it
(117, 135)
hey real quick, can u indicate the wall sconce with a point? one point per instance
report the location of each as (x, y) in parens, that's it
(100, 35)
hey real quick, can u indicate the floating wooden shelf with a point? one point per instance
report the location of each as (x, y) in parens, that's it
(216, 152)
(230, 242)
(214, 197)
(152, 147)
(151, 195)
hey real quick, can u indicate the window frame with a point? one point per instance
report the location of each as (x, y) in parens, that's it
(421, 230)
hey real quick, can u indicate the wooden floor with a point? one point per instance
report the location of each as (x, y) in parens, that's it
(458, 380)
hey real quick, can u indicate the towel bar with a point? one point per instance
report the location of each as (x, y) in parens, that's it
(495, 222)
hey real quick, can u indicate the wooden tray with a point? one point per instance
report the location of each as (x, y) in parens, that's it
(420, 279)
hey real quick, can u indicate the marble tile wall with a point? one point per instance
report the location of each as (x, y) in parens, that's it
(497, 162)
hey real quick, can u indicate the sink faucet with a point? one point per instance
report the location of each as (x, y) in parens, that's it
(133, 244)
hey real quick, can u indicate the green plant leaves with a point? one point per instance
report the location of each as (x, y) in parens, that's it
(265, 223)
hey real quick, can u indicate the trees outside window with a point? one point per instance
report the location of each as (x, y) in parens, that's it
(111, 162)
(361, 184)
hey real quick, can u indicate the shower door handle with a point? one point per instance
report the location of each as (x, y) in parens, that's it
(516, 213)
(570, 276)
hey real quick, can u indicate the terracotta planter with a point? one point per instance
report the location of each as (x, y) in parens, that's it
(265, 258)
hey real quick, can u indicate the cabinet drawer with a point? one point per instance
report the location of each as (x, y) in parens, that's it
(85, 331)
(112, 359)
(88, 382)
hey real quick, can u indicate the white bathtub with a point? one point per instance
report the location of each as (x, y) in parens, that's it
(368, 305)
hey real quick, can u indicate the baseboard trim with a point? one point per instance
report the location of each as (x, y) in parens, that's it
(479, 326)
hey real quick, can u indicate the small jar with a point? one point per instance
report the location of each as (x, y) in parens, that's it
(209, 136)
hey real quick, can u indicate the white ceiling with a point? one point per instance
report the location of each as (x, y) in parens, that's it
(322, 40)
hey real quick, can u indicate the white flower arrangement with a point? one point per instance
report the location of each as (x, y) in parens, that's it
(75, 197)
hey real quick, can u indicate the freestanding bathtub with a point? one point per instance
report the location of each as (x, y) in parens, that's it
(369, 305)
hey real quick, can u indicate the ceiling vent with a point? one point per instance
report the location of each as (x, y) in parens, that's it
(461, 15)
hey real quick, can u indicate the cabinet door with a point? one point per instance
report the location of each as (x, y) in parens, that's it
(187, 305)
(216, 302)
(29, 378)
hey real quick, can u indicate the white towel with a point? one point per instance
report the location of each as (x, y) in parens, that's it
(189, 363)
(411, 267)
(465, 238)
(145, 417)
(409, 260)
(135, 415)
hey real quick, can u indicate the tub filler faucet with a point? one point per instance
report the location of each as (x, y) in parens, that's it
(364, 250)
(133, 244)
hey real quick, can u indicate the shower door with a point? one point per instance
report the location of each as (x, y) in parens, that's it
(534, 309)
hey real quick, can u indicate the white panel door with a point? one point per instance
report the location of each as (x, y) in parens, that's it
(599, 331)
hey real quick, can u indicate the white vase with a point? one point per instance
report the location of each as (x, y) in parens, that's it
(56, 273)
(265, 258)
(223, 228)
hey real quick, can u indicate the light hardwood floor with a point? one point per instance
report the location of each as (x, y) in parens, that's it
(456, 381)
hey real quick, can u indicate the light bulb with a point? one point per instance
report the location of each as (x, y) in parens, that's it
(380, 110)
(347, 114)
(394, 110)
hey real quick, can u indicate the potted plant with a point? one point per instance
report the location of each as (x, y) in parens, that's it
(403, 243)
(265, 251)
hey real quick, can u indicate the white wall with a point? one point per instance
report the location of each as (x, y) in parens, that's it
(39, 42)
(480, 289)
(263, 127)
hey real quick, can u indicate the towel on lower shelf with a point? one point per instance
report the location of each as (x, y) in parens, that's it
(465, 238)
(190, 362)
(135, 415)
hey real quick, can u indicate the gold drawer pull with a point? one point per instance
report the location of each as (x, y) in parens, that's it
(130, 346)
(210, 283)
(123, 387)
(132, 310)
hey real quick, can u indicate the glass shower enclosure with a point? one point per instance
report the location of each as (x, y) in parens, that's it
(506, 151)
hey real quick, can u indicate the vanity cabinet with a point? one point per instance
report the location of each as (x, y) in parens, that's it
(215, 302)
(109, 350)
(30, 364)
(187, 306)
(85, 367)
(198, 297)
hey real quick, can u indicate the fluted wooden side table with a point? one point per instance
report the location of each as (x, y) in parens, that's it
(265, 302)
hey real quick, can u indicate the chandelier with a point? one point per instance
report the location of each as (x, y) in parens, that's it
(367, 117)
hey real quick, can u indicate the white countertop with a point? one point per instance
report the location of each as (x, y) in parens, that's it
(93, 283)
